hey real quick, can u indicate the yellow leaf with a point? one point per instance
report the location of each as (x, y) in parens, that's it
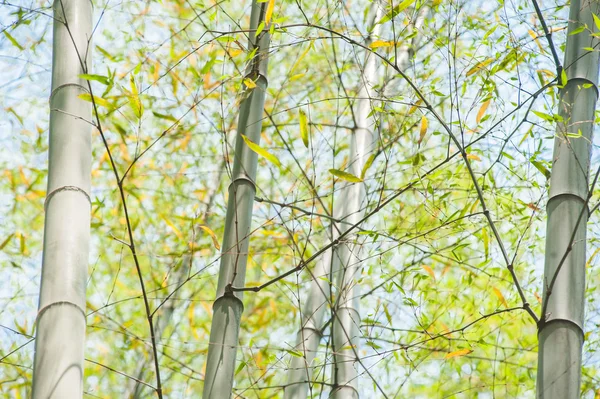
(303, 127)
(458, 353)
(429, 271)
(423, 130)
(212, 235)
(538, 297)
(97, 100)
(482, 110)
(261, 151)
(249, 83)
(269, 12)
(479, 66)
(381, 43)
(500, 296)
(414, 107)
(473, 157)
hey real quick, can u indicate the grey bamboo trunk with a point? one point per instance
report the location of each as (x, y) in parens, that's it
(228, 307)
(561, 328)
(60, 330)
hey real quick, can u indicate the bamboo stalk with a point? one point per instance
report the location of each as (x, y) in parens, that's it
(561, 324)
(60, 337)
(228, 307)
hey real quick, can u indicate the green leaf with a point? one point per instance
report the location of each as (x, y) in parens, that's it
(349, 177)
(303, 127)
(261, 151)
(13, 41)
(367, 166)
(540, 166)
(544, 116)
(6, 241)
(596, 21)
(163, 116)
(98, 78)
(295, 353)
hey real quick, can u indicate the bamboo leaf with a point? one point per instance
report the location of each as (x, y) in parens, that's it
(482, 110)
(6, 241)
(349, 177)
(367, 166)
(486, 242)
(98, 78)
(596, 21)
(163, 116)
(269, 12)
(429, 271)
(500, 296)
(212, 235)
(97, 100)
(381, 43)
(303, 127)
(479, 66)
(458, 353)
(135, 103)
(13, 41)
(261, 151)
(423, 129)
(473, 157)
(249, 83)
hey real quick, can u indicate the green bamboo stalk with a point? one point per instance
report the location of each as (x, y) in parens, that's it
(60, 332)
(228, 307)
(561, 325)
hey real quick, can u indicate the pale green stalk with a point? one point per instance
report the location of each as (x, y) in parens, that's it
(561, 326)
(60, 332)
(228, 307)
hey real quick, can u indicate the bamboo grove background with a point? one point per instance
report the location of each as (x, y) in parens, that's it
(440, 313)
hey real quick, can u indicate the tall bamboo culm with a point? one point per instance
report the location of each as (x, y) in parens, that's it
(309, 334)
(228, 306)
(561, 326)
(349, 207)
(60, 324)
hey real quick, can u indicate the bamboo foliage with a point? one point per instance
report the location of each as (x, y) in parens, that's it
(561, 325)
(59, 346)
(228, 307)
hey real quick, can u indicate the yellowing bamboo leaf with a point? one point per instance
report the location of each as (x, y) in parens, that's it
(538, 297)
(486, 242)
(135, 103)
(97, 100)
(303, 127)
(479, 66)
(6, 241)
(458, 353)
(473, 157)
(269, 12)
(212, 235)
(482, 110)
(249, 83)
(381, 43)
(261, 151)
(423, 129)
(414, 107)
(349, 177)
(367, 166)
(500, 296)
(429, 271)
